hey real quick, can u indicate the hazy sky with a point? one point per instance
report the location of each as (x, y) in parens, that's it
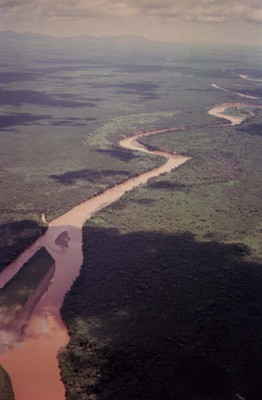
(170, 20)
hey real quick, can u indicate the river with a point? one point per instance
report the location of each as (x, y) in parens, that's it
(32, 365)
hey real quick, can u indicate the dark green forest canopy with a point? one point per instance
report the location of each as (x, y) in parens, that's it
(156, 315)
(168, 300)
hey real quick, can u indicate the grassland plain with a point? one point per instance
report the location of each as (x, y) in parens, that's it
(168, 300)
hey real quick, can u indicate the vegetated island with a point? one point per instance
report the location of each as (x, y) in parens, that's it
(20, 295)
(6, 391)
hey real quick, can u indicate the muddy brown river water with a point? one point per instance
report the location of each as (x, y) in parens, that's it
(32, 363)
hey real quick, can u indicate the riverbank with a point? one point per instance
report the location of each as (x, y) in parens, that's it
(68, 261)
(46, 323)
(219, 112)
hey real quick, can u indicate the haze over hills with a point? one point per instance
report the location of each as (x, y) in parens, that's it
(205, 21)
(22, 37)
(40, 36)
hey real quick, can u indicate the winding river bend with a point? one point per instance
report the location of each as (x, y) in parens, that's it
(32, 365)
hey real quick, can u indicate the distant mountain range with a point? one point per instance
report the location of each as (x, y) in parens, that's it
(108, 47)
(29, 36)
(29, 43)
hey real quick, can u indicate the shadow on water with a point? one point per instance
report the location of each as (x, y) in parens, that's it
(158, 316)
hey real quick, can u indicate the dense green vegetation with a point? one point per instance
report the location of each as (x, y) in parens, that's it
(163, 316)
(216, 195)
(168, 301)
(56, 186)
(6, 392)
